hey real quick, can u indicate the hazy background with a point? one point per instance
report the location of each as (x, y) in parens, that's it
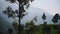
(37, 8)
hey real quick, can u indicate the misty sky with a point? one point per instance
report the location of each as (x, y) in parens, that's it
(48, 6)
(51, 6)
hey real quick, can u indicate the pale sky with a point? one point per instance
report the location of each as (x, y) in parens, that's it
(51, 6)
(48, 6)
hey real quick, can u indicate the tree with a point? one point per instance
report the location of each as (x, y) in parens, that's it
(44, 17)
(21, 10)
(55, 18)
(44, 27)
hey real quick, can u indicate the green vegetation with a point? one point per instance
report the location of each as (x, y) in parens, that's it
(31, 28)
(53, 30)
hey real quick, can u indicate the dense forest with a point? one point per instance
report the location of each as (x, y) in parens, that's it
(30, 27)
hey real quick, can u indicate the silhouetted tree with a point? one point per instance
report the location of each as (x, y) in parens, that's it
(46, 30)
(44, 17)
(55, 18)
(45, 24)
(55, 21)
(21, 11)
(44, 27)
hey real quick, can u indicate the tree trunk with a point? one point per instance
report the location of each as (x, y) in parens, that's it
(19, 28)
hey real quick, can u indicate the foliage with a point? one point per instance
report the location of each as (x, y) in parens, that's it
(9, 12)
(48, 28)
(55, 18)
(43, 16)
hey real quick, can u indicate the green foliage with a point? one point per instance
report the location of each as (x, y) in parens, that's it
(49, 26)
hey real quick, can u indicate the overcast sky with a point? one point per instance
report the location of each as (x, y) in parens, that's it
(51, 6)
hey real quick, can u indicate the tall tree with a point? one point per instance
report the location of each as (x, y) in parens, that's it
(21, 10)
(44, 17)
(46, 29)
(55, 18)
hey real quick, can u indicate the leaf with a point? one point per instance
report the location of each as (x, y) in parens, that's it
(43, 17)
(55, 18)
(16, 11)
